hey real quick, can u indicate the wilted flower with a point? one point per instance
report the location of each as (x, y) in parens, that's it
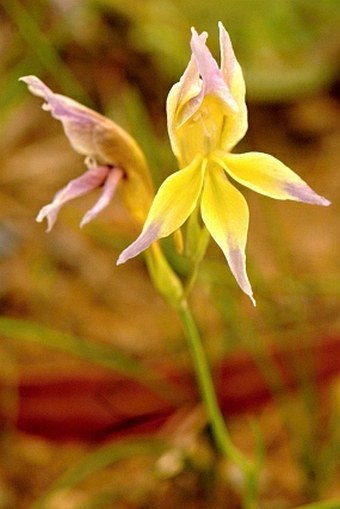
(112, 157)
(207, 117)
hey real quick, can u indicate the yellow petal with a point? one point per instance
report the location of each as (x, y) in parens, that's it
(173, 203)
(226, 216)
(236, 123)
(267, 175)
(180, 104)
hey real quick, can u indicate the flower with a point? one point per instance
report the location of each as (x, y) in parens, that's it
(207, 117)
(112, 157)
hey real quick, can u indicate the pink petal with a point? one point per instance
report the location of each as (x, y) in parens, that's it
(91, 179)
(79, 122)
(146, 238)
(237, 264)
(110, 186)
(300, 191)
(212, 77)
(229, 63)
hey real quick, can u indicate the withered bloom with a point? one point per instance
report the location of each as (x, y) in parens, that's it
(113, 158)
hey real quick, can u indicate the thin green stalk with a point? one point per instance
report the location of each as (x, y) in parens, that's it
(216, 419)
(169, 285)
(207, 388)
(192, 278)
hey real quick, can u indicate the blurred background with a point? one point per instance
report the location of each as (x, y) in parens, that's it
(121, 58)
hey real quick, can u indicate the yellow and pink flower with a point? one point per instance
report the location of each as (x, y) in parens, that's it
(207, 117)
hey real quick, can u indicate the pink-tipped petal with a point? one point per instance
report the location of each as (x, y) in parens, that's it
(235, 125)
(146, 238)
(225, 214)
(237, 263)
(184, 99)
(267, 175)
(229, 63)
(191, 93)
(109, 189)
(91, 179)
(178, 103)
(212, 77)
(300, 191)
(174, 202)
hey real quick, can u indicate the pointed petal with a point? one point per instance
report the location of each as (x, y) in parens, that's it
(189, 96)
(109, 189)
(267, 175)
(173, 203)
(183, 100)
(212, 77)
(78, 121)
(236, 124)
(77, 187)
(94, 135)
(226, 216)
(173, 109)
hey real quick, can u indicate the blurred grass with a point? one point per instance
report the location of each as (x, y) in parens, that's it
(98, 460)
(123, 57)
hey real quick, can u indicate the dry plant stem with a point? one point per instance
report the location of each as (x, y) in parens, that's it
(216, 419)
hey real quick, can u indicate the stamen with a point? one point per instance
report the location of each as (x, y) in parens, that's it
(90, 162)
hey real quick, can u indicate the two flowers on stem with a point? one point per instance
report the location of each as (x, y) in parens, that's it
(206, 118)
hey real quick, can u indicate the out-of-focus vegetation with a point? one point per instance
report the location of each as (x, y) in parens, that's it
(121, 57)
(286, 47)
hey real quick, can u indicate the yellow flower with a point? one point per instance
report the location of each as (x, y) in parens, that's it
(113, 158)
(207, 117)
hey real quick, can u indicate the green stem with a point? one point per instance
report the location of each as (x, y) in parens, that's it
(172, 290)
(216, 420)
(204, 378)
(192, 278)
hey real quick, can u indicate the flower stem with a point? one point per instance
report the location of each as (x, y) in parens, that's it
(204, 378)
(218, 426)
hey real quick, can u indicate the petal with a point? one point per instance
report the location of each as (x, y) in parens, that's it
(181, 103)
(91, 179)
(78, 120)
(226, 216)
(236, 124)
(96, 136)
(267, 175)
(176, 99)
(109, 189)
(173, 203)
(212, 77)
